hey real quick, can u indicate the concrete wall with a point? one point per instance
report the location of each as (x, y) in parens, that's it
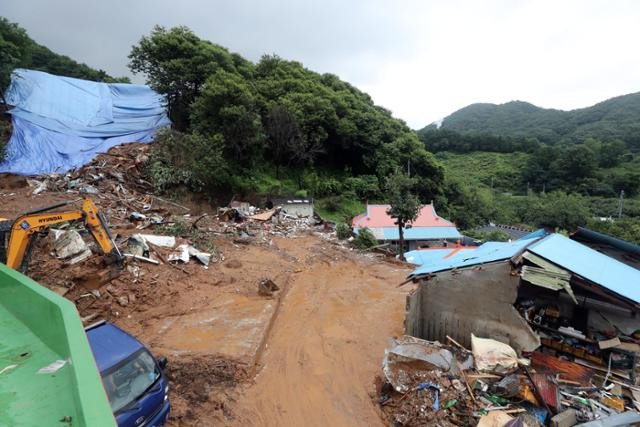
(476, 300)
(302, 210)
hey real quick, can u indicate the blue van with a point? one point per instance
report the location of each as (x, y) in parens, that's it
(133, 379)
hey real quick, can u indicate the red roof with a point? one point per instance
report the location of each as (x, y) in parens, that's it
(376, 216)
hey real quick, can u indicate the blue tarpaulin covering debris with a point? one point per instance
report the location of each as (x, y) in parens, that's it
(62, 123)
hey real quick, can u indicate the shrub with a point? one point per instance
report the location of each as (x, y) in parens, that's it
(365, 239)
(364, 186)
(191, 160)
(343, 231)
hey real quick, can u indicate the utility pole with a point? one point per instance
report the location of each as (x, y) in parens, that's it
(544, 187)
(620, 203)
(409, 168)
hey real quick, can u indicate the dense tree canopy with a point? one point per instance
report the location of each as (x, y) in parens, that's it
(279, 114)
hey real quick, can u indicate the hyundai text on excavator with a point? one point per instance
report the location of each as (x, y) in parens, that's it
(17, 236)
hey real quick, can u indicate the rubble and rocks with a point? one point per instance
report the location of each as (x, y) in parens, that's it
(67, 243)
(266, 287)
(512, 394)
(184, 253)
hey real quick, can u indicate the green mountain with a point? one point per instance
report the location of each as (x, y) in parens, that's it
(615, 118)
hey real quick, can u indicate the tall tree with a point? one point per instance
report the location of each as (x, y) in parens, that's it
(226, 106)
(177, 63)
(405, 206)
(283, 131)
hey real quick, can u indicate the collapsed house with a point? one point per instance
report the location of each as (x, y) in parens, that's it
(299, 207)
(429, 229)
(552, 326)
(542, 291)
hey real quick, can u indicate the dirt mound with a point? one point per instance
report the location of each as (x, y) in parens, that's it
(202, 386)
(12, 182)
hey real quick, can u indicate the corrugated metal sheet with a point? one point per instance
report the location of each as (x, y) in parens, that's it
(569, 370)
(488, 252)
(429, 256)
(590, 264)
(547, 388)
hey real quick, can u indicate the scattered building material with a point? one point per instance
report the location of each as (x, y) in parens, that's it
(265, 216)
(495, 419)
(162, 241)
(569, 370)
(68, 243)
(184, 252)
(143, 258)
(493, 356)
(408, 354)
(566, 418)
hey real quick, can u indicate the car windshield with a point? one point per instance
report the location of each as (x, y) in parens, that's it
(128, 381)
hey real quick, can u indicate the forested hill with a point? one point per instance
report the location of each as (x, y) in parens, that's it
(615, 118)
(18, 50)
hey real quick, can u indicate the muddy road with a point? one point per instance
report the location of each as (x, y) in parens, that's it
(326, 343)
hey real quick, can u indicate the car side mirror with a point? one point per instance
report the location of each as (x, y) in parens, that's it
(162, 362)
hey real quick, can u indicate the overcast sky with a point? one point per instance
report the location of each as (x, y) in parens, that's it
(420, 59)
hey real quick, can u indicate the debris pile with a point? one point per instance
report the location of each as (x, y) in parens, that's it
(427, 383)
(160, 239)
(263, 224)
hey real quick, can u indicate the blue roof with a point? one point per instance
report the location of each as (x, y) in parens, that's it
(414, 233)
(590, 264)
(111, 345)
(418, 233)
(432, 255)
(487, 252)
(538, 233)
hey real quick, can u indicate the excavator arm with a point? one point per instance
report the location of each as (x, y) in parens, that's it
(25, 226)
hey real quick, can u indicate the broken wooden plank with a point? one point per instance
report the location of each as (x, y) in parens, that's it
(569, 370)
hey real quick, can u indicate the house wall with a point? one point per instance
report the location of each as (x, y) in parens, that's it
(476, 300)
(298, 209)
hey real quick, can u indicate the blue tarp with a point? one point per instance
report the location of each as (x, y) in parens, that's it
(62, 123)
(590, 264)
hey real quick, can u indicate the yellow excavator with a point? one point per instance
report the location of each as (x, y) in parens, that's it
(17, 236)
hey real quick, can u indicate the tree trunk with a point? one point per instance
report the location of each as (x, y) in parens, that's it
(401, 233)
